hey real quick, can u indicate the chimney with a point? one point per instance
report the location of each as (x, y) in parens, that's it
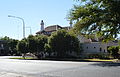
(42, 25)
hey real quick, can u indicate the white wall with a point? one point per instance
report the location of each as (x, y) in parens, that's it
(97, 47)
(83, 39)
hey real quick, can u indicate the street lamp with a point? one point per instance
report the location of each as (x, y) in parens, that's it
(23, 24)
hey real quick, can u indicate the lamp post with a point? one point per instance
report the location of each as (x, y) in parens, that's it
(23, 24)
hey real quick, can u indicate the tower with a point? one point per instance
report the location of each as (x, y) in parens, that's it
(42, 25)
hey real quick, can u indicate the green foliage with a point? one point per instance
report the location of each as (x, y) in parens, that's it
(119, 42)
(41, 41)
(11, 44)
(97, 16)
(22, 46)
(32, 43)
(36, 44)
(48, 49)
(114, 51)
(62, 43)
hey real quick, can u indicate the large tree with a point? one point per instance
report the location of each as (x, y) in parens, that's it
(32, 43)
(97, 16)
(63, 43)
(114, 51)
(11, 44)
(41, 41)
(22, 47)
(36, 44)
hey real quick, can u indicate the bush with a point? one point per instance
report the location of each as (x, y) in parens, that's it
(114, 51)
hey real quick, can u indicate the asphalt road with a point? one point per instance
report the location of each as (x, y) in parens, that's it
(42, 68)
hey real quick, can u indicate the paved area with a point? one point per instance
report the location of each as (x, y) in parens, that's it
(41, 68)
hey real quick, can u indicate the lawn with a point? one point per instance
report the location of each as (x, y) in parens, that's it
(27, 58)
(80, 60)
(100, 60)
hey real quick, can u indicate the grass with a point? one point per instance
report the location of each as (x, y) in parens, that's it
(100, 60)
(27, 58)
(80, 60)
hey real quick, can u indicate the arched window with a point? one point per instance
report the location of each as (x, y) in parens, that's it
(100, 49)
(104, 50)
(87, 47)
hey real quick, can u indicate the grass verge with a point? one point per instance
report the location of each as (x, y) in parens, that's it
(27, 58)
(79, 60)
(100, 60)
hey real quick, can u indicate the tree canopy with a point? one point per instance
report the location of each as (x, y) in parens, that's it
(97, 16)
(11, 45)
(32, 43)
(22, 46)
(114, 51)
(41, 41)
(63, 43)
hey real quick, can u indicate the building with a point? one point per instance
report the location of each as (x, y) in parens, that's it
(48, 30)
(90, 46)
(94, 46)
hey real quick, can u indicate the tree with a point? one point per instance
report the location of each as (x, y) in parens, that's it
(36, 44)
(41, 41)
(5, 38)
(22, 46)
(63, 43)
(48, 49)
(97, 16)
(11, 45)
(32, 43)
(114, 51)
(119, 42)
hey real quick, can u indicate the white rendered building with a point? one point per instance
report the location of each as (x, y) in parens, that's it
(95, 47)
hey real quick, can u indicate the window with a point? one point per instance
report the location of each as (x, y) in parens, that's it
(104, 50)
(100, 49)
(87, 47)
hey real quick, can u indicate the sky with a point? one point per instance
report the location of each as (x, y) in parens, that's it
(52, 12)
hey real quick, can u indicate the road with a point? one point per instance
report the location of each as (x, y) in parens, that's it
(42, 68)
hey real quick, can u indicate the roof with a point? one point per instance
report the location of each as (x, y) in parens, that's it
(48, 30)
(66, 28)
(53, 28)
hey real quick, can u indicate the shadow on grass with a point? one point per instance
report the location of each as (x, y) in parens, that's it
(66, 59)
(61, 59)
(73, 60)
(107, 64)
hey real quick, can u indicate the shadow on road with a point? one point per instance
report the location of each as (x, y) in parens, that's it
(107, 64)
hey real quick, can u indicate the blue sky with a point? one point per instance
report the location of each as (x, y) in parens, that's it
(32, 11)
